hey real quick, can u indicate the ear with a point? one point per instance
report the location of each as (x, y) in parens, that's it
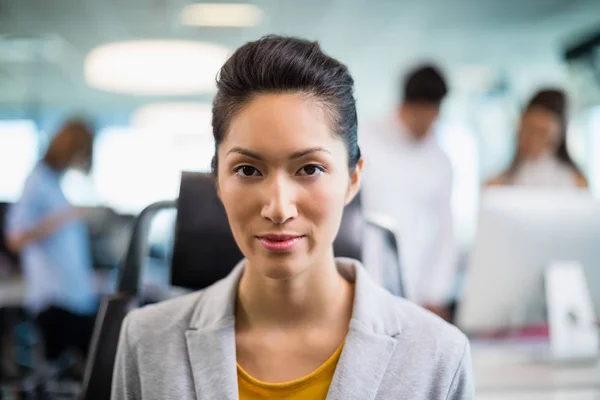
(355, 179)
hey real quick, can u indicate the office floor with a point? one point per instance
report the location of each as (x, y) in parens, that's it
(554, 395)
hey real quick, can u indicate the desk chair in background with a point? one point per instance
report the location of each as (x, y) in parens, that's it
(20, 343)
(204, 251)
(9, 261)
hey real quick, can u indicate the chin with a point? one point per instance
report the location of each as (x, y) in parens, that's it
(279, 267)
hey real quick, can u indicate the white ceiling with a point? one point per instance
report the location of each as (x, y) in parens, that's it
(43, 42)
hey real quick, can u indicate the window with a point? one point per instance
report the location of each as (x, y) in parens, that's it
(495, 121)
(78, 188)
(134, 168)
(460, 145)
(18, 155)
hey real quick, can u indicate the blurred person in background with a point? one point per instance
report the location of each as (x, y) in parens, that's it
(408, 177)
(541, 157)
(51, 238)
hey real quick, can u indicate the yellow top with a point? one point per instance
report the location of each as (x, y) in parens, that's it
(313, 386)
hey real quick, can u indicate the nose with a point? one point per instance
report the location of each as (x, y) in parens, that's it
(280, 204)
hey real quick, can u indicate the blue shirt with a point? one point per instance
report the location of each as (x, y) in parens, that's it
(58, 268)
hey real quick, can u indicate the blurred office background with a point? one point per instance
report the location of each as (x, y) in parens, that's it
(60, 59)
(143, 71)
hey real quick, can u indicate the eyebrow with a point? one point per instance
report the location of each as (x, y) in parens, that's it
(293, 156)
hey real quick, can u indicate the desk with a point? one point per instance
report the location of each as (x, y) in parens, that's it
(12, 288)
(523, 371)
(155, 281)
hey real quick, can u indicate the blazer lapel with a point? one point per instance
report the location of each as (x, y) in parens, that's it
(211, 340)
(362, 365)
(371, 339)
(213, 362)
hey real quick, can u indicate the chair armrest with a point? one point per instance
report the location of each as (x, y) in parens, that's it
(131, 265)
(385, 225)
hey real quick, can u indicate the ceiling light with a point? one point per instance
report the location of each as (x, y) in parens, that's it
(184, 118)
(155, 67)
(221, 14)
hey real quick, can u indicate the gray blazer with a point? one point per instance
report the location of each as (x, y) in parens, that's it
(185, 348)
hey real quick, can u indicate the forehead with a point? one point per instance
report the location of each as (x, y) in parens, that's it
(280, 121)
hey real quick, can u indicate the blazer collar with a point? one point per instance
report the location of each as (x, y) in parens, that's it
(367, 350)
(371, 310)
(216, 305)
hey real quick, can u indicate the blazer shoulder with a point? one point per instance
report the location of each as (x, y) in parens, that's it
(426, 327)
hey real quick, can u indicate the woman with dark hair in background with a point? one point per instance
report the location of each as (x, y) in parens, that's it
(542, 158)
(53, 243)
(291, 321)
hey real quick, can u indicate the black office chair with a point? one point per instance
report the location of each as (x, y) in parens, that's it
(97, 380)
(101, 358)
(204, 251)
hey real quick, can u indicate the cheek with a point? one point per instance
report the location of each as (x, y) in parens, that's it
(526, 141)
(323, 205)
(239, 212)
(553, 139)
(541, 142)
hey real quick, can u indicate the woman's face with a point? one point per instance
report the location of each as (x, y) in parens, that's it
(539, 134)
(283, 178)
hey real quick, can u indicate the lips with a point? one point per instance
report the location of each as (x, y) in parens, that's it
(280, 242)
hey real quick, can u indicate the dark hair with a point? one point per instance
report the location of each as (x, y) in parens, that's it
(425, 84)
(276, 64)
(553, 101)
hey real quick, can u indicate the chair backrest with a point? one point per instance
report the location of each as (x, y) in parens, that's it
(97, 382)
(205, 251)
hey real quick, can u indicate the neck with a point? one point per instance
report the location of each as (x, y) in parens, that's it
(53, 169)
(540, 159)
(407, 130)
(318, 295)
(53, 165)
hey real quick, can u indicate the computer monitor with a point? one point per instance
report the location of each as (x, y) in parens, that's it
(109, 235)
(520, 232)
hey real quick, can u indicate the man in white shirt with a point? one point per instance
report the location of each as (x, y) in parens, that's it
(408, 178)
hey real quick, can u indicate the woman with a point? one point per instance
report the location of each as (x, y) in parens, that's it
(53, 243)
(542, 158)
(290, 321)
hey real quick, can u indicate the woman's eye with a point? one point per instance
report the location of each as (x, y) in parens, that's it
(246, 171)
(311, 170)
